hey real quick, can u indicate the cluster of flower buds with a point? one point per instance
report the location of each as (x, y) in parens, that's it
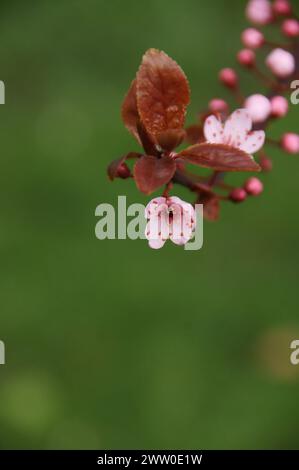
(252, 187)
(223, 140)
(281, 62)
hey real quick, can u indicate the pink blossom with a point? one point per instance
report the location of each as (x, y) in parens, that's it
(254, 186)
(228, 77)
(218, 105)
(279, 106)
(281, 63)
(259, 11)
(252, 38)
(236, 132)
(169, 218)
(290, 28)
(259, 107)
(246, 57)
(290, 142)
(282, 7)
(154, 111)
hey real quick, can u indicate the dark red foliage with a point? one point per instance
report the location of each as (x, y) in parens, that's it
(194, 134)
(211, 206)
(170, 139)
(118, 168)
(162, 93)
(152, 172)
(129, 111)
(154, 111)
(219, 157)
(155, 106)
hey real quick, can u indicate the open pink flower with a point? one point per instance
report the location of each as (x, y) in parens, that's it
(235, 132)
(169, 218)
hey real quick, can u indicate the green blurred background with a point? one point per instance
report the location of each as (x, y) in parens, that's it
(110, 344)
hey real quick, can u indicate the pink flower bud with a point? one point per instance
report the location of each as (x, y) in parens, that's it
(282, 7)
(266, 163)
(254, 186)
(246, 57)
(290, 142)
(259, 11)
(238, 195)
(252, 38)
(123, 171)
(281, 63)
(218, 105)
(290, 28)
(259, 107)
(279, 106)
(228, 77)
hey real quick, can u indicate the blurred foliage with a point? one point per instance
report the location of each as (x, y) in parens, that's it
(110, 344)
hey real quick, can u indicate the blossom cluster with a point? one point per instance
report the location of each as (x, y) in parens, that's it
(281, 61)
(223, 140)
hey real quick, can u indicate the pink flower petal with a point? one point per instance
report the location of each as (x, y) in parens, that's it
(237, 127)
(179, 241)
(174, 200)
(154, 206)
(152, 229)
(156, 244)
(189, 221)
(179, 235)
(185, 205)
(157, 231)
(213, 130)
(253, 142)
(183, 223)
(188, 224)
(169, 218)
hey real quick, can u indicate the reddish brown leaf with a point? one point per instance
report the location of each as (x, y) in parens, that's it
(170, 139)
(129, 111)
(162, 93)
(152, 172)
(219, 157)
(146, 141)
(194, 134)
(118, 169)
(211, 206)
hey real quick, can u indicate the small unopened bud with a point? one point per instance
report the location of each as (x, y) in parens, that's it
(279, 106)
(254, 186)
(252, 38)
(229, 78)
(290, 28)
(281, 63)
(218, 105)
(266, 164)
(246, 57)
(259, 107)
(123, 171)
(259, 11)
(282, 7)
(238, 195)
(290, 142)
